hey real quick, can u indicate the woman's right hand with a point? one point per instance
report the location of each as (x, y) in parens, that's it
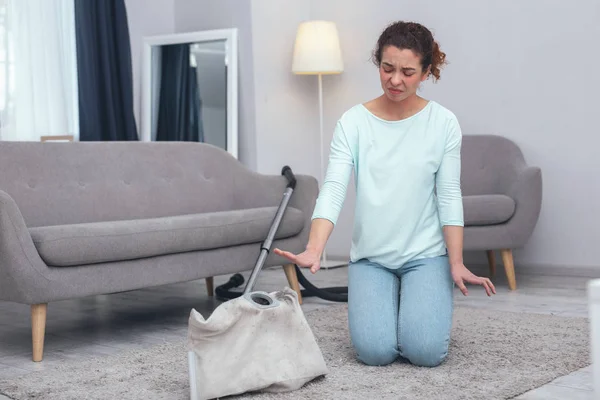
(311, 257)
(307, 259)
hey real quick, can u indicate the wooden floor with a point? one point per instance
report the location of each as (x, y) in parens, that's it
(110, 324)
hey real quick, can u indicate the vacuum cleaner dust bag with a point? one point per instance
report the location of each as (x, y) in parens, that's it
(257, 342)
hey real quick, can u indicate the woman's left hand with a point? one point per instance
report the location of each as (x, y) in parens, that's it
(460, 275)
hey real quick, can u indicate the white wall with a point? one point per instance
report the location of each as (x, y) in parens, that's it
(539, 92)
(287, 123)
(195, 15)
(146, 18)
(524, 70)
(277, 124)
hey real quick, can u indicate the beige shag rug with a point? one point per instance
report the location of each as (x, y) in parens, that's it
(493, 355)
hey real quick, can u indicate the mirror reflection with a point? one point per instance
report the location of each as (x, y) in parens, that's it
(189, 92)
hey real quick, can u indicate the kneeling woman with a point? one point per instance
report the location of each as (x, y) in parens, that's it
(406, 251)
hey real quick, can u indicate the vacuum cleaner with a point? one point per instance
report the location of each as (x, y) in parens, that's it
(255, 341)
(335, 293)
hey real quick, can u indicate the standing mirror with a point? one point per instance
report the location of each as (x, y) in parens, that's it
(190, 88)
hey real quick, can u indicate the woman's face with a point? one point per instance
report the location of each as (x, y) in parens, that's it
(400, 73)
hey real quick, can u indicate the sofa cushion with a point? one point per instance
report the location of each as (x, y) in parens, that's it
(87, 243)
(489, 209)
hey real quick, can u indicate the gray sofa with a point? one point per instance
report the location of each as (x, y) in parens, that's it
(502, 198)
(87, 218)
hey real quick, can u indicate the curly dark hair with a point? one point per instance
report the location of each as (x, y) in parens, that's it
(412, 36)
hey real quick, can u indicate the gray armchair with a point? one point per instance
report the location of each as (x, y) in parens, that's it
(502, 198)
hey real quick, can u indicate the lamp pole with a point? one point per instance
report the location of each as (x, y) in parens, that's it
(322, 150)
(325, 263)
(317, 52)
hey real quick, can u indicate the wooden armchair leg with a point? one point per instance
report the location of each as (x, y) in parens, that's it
(491, 262)
(38, 329)
(210, 286)
(509, 267)
(292, 277)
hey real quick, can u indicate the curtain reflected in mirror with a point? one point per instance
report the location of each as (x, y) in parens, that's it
(189, 93)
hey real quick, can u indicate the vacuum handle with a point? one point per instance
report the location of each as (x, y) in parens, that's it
(266, 246)
(287, 172)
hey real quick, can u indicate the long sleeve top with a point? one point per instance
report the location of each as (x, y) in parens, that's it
(407, 180)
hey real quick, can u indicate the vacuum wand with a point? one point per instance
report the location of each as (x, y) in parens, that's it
(266, 246)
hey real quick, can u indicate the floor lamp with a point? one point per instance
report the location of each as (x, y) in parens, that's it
(317, 52)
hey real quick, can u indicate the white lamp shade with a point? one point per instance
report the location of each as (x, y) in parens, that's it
(317, 49)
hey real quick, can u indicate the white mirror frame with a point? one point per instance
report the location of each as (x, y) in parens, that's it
(231, 50)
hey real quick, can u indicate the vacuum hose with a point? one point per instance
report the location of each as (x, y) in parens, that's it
(339, 293)
(336, 293)
(233, 282)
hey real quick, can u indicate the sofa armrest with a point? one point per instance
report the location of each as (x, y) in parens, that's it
(526, 191)
(21, 268)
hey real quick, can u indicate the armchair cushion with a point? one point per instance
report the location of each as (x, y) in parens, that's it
(88, 243)
(488, 209)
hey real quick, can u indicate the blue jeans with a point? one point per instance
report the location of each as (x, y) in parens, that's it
(401, 312)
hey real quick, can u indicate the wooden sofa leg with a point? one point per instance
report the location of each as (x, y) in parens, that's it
(292, 277)
(509, 267)
(210, 286)
(38, 329)
(491, 261)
